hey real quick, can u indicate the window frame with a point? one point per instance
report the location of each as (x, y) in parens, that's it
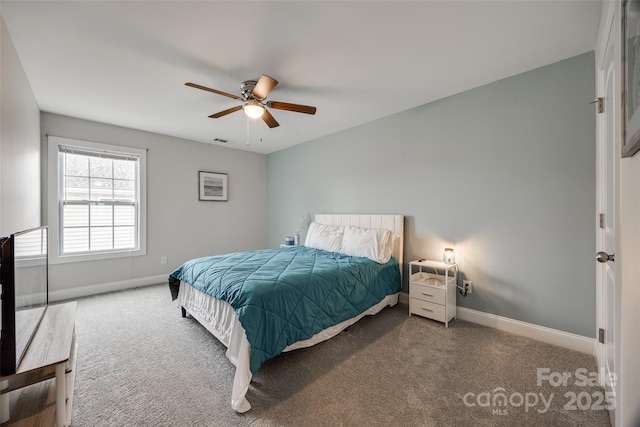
(55, 202)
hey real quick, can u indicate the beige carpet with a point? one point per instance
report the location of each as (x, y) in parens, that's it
(141, 364)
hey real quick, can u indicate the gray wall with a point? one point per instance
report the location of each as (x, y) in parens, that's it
(19, 144)
(178, 225)
(504, 173)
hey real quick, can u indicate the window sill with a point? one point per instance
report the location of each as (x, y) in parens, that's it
(66, 259)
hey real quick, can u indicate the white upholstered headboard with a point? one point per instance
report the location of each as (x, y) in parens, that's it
(395, 223)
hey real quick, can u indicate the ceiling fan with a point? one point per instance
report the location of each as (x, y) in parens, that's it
(253, 95)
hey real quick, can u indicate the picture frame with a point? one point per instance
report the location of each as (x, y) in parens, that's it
(213, 186)
(631, 77)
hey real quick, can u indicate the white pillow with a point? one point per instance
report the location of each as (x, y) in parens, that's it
(325, 237)
(372, 243)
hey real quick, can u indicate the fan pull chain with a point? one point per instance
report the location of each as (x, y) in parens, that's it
(248, 144)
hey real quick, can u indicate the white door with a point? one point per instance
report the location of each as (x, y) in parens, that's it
(606, 200)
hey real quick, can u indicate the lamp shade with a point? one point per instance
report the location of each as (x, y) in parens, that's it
(253, 109)
(449, 256)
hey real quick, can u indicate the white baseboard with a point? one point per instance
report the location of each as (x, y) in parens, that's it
(529, 330)
(83, 291)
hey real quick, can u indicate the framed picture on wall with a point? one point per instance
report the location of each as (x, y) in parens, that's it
(213, 186)
(631, 76)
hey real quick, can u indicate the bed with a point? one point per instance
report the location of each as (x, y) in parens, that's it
(262, 303)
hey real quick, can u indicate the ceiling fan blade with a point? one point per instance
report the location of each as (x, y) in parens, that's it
(269, 120)
(306, 109)
(227, 111)
(218, 92)
(264, 86)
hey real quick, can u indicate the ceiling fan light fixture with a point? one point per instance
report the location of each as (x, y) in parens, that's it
(253, 109)
(254, 104)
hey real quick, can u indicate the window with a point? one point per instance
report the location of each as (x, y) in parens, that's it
(98, 191)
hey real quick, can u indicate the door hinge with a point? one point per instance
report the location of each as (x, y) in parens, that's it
(601, 220)
(601, 335)
(600, 102)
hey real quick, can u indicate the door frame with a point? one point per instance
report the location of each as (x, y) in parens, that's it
(610, 26)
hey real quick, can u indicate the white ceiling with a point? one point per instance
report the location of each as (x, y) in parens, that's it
(125, 63)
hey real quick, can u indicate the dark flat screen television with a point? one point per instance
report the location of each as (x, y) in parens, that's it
(25, 293)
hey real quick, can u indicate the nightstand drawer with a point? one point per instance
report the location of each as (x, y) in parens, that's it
(427, 293)
(427, 309)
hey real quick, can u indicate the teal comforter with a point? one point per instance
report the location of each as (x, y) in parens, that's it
(286, 295)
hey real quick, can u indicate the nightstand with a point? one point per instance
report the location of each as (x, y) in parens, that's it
(432, 290)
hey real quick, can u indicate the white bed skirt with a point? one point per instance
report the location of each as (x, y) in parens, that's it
(221, 320)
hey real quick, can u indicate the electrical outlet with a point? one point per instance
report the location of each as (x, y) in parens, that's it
(164, 259)
(468, 286)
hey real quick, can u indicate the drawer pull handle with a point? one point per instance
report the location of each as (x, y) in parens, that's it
(427, 309)
(427, 295)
